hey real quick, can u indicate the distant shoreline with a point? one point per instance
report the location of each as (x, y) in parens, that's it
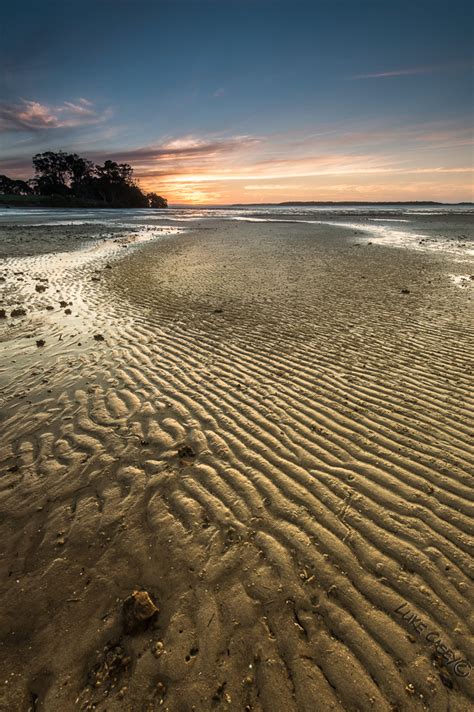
(322, 204)
(37, 201)
(328, 203)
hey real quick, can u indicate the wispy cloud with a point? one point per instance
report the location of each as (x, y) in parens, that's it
(395, 73)
(179, 153)
(29, 115)
(412, 71)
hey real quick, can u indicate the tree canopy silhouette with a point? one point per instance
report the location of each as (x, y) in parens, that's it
(10, 186)
(69, 178)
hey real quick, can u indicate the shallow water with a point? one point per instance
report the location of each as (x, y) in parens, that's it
(419, 227)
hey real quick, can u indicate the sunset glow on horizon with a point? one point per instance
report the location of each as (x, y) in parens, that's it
(421, 162)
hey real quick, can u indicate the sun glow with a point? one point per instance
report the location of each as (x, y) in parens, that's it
(342, 163)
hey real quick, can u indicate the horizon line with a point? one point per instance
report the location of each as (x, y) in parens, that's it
(323, 202)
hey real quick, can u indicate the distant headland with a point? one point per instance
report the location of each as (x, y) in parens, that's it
(66, 180)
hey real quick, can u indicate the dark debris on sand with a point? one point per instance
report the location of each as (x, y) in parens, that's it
(185, 452)
(137, 611)
(19, 311)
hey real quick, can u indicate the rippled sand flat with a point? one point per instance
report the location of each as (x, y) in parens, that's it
(268, 428)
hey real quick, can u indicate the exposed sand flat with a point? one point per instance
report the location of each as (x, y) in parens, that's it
(274, 439)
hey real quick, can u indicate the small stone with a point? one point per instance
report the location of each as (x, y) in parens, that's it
(67, 311)
(40, 342)
(158, 649)
(40, 288)
(98, 337)
(137, 610)
(405, 291)
(3, 314)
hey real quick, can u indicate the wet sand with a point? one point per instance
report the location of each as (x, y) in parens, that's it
(268, 428)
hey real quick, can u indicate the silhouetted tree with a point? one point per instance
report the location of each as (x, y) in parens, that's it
(64, 176)
(116, 186)
(52, 173)
(156, 201)
(11, 186)
(81, 173)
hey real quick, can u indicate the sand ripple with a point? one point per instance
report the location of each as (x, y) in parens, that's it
(274, 440)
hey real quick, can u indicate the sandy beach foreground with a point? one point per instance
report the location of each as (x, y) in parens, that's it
(267, 428)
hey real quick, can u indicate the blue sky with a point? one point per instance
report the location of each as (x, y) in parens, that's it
(252, 100)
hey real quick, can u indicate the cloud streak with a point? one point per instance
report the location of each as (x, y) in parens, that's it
(411, 71)
(34, 116)
(185, 149)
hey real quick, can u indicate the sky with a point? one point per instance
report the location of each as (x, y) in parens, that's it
(246, 101)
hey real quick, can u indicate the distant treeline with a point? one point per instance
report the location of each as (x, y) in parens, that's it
(67, 180)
